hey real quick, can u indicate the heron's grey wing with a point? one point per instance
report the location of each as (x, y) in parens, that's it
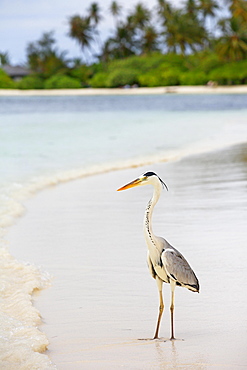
(178, 269)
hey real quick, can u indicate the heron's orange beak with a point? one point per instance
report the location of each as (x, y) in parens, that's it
(132, 184)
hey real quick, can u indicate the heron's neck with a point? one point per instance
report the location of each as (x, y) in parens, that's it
(148, 230)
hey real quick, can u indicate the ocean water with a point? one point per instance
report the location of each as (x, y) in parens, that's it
(47, 140)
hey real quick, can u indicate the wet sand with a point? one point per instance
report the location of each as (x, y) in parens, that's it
(102, 298)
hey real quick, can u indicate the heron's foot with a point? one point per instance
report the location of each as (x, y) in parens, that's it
(154, 338)
(173, 338)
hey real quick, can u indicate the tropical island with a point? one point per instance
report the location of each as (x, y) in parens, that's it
(200, 43)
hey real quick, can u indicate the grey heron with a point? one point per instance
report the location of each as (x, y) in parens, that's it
(166, 264)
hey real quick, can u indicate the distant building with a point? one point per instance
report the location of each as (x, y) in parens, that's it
(16, 72)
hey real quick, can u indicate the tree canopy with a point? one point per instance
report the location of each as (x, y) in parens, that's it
(200, 40)
(195, 26)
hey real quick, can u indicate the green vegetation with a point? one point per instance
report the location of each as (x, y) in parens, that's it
(170, 69)
(62, 82)
(121, 77)
(230, 73)
(31, 82)
(5, 81)
(163, 46)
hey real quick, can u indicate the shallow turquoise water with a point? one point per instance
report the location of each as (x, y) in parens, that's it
(47, 135)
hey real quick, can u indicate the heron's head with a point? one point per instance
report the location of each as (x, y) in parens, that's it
(148, 178)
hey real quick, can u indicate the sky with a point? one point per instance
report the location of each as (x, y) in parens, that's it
(24, 21)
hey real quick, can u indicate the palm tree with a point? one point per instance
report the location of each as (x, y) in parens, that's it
(81, 31)
(124, 40)
(4, 58)
(141, 15)
(94, 13)
(43, 56)
(137, 21)
(46, 43)
(183, 33)
(106, 52)
(150, 40)
(239, 9)
(115, 10)
(208, 9)
(95, 17)
(122, 44)
(232, 45)
(191, 8)
(165, 11)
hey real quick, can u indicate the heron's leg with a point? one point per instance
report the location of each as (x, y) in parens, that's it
(173, 286)
(161, 307)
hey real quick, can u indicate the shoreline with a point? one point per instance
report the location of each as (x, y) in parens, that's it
(238, 89)
(90, 330)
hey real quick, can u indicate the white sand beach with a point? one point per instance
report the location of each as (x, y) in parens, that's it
(237, 89)
(102, 298)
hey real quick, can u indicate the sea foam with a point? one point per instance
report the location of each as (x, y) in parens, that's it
(21, 342)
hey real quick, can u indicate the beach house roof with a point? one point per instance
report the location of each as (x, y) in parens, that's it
(16, 72)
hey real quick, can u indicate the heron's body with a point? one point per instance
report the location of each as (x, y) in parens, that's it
(171, 265)
(166, 264)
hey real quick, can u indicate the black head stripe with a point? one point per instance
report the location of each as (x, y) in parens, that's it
(164, 184)
(149, 174)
